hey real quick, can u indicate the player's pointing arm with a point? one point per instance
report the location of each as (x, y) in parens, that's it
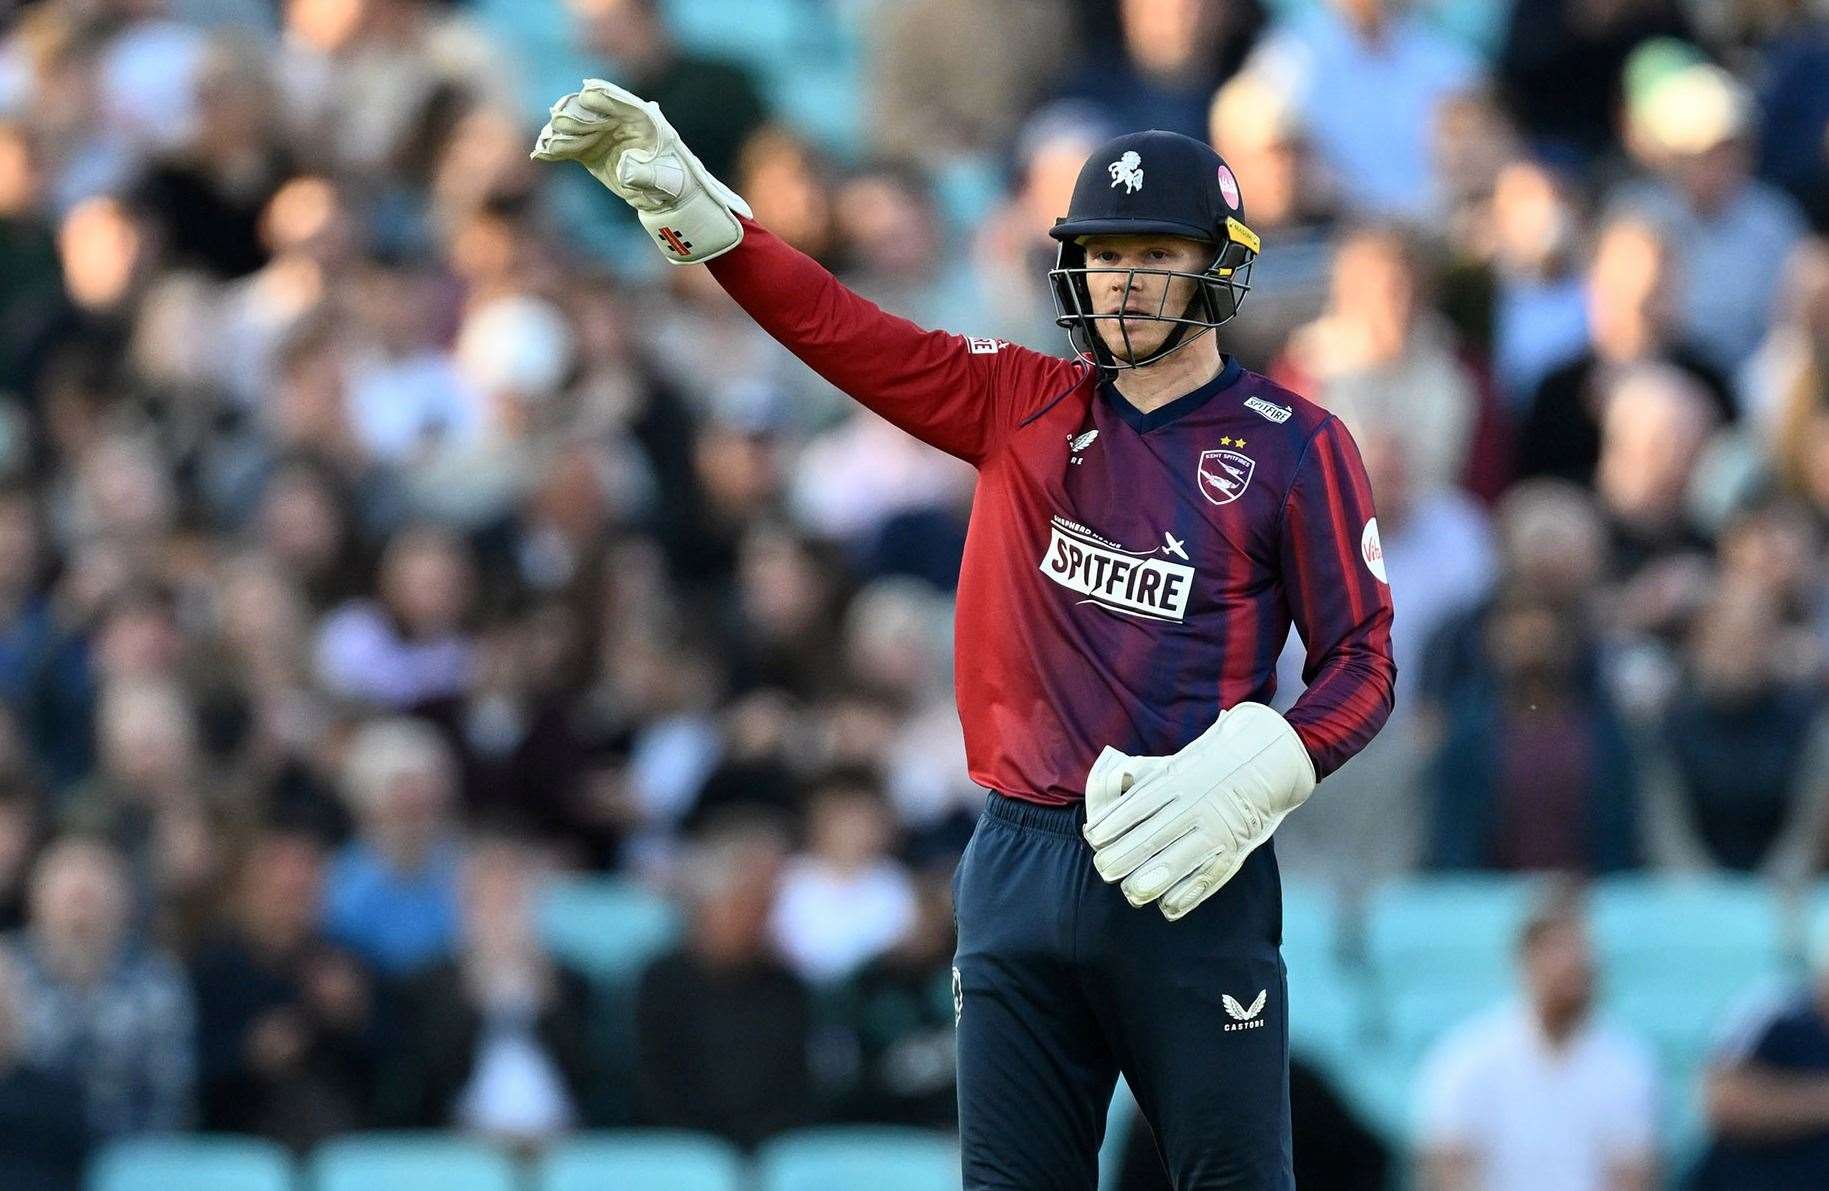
(961, 395)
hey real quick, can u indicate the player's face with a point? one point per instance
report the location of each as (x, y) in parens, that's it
(1148, 295)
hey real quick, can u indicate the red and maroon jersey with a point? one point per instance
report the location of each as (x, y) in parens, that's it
(1127, 576)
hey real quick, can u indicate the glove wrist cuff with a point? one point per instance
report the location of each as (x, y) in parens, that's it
(697, 230)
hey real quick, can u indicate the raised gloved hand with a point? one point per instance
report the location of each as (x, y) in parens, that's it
(1178, 827)
(627, 145)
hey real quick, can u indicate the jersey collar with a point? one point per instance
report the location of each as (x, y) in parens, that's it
(1187, 403)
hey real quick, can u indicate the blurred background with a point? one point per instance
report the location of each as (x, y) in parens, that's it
(406, 578)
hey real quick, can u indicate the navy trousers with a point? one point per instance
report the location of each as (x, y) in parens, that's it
(1059, 984)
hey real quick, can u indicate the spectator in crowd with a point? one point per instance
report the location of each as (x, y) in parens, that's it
(1011, 250)
(781, 623)
(1797, 384)
(1175, 53)
(1552, 542)
(793, 182)
(1539, 1092)
(1732, 232)
(362, 83)
(723, 1029)
(206, 197)
(287, 1021)
(1380, 359)
(1539, 309)
(894, 248)
(1535, 768)
(1743, 748)
(1655, 424)
(715, 103)
(102, 1006)
(27, 625)
(1765, 1092)
(303, 519)
(1782, 382)
(497, 1041)
(22, 835)
(31, 278)
(1794, 106)
(953, 77)
(150, 798)
(309, 237)
(844, 900)
(41, 1111)
(1439, 556)
(390, 895)
(1772, 544)
(1629, 323)
(1559, 68)
(409, 651)
(1370, 79)
(900, 1010)
(1258, 129)
(407, 398)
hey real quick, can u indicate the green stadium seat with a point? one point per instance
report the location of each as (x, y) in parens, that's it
(1416, 930)
(1311, 919)
(1409, 1018)
(1121, 1117)
(1684, 926)
(863, 1157)
(410, 1161)
(606, 927)
(641, 1160)
(821, 100)
(1326, 1007)
(757, 31)
(202, 1162)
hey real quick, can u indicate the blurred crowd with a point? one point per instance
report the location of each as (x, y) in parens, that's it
(384, 531)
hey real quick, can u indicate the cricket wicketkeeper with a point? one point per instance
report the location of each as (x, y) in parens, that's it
(1150, 519)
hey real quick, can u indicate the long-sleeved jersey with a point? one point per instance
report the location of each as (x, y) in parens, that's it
(1127, 575)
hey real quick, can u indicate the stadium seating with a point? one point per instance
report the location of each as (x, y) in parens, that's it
(1688, 923)
(639, 1160)
(607, 928)
(1417, 930)
(864, 1157)
(196, 1163)
(410, 1162)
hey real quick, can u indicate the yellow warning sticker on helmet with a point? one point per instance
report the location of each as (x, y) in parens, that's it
(1240, 234)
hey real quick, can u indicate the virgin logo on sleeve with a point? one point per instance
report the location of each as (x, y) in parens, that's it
(1225, 473)
(1372, 550)
(1132, 582)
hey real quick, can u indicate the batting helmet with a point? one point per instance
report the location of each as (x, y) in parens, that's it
(1152, 182)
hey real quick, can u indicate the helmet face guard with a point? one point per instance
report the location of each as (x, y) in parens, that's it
(1217, 292)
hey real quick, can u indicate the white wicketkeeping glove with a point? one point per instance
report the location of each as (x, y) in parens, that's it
(627, 145)
(1179, 827)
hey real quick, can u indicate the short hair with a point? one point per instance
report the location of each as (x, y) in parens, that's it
(384, 750)
(1561, 903)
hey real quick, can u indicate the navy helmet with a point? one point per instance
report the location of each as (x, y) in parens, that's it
(1162, 183)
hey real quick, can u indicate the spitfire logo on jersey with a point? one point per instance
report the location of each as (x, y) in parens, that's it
(1271, 410)
(1127, 170)
(1224, 475)
(1127, 581)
